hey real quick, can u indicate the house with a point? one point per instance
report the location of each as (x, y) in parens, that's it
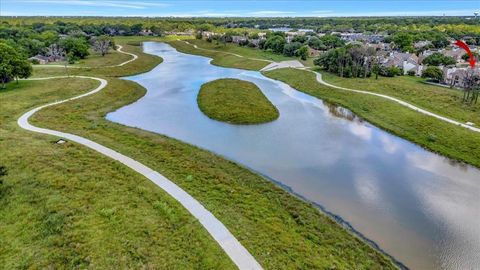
(146, 32)
(405, 61)
(312, 52)
(424, 55)
(422, 44)
(420, 69)
(455, 77)
(291, 35)
(238, 39)
(207, 34)
(352, 37)
(456, 53)
(379, 46)
(185, 33)
(254, 41)
(41, 59)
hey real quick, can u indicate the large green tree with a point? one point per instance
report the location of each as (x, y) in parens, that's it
(290, 49)
(332, 41)
(76, 47)
(403, 41)
(275, 43)
(302, 52)
(12, 65)
(437, 59)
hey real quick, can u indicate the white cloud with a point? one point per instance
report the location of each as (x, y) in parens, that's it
(361, 130)
(118, 4)
(389, 145)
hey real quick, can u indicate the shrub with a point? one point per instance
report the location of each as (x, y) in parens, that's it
(433, 73)
(411, 73)
(391, 71)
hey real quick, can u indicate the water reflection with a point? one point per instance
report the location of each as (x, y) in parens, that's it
(418, 206)
(341, 112)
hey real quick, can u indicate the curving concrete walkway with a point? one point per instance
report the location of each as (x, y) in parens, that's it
(320, 80)
(234, 54)
(234, 249)
(283, 64)
(119, 49)
(399, 101)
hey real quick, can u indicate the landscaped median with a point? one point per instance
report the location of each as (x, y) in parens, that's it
(235, 101)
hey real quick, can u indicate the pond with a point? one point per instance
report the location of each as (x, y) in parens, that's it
(419, 207)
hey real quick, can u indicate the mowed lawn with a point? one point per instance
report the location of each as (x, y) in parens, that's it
(99, 214)
(235, 101)
(143, 63)
(441, 100)
(433, 134)
(221, 58)
(244, 51)
(95, 59)
(439, 136)
(65, 206)
(247, 51)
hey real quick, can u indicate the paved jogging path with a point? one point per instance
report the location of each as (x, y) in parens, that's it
(119, 49)
(399, 101)
(234, 249)
(234, 54)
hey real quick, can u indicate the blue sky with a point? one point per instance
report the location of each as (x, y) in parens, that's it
(245, 8)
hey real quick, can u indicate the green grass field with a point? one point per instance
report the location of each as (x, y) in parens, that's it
(65, 206)
(247, 52)
(144, 62)
(235, 101)
(436, 135)
(221, 58)
(95, 59)
(440, 100)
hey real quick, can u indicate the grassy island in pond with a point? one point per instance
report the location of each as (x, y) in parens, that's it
(235, 101)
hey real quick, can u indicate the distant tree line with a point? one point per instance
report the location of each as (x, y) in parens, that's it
(56, 41)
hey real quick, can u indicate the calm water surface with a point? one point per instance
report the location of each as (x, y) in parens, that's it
(421, 208)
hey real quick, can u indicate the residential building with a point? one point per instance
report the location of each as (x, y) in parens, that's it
(41, 59)
(406, 61)
(455, 77)
(422, 44)
(313, 53)
(456, 53)
(238, 39)
(351, 37)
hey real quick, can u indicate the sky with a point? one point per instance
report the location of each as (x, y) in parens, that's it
(239, 8)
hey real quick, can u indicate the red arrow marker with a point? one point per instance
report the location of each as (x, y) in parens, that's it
(464, 46)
